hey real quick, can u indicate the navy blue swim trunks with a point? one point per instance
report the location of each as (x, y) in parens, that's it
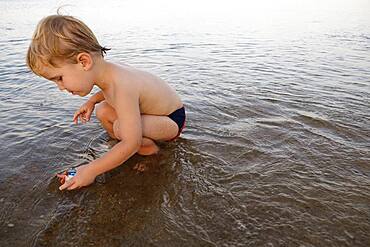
(178, 117)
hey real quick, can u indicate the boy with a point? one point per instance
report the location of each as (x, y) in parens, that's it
(134, 106)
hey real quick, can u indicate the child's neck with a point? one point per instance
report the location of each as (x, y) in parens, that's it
(102, 75)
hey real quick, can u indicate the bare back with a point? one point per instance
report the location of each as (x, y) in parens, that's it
(156, 97)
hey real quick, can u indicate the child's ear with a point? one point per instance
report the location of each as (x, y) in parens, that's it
(85, 60)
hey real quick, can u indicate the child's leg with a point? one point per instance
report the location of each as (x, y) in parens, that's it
(154, 127)
(148, 147)
(106, 115)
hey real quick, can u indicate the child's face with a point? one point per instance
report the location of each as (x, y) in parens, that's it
(71, 77)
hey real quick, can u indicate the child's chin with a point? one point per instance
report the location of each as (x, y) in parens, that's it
(81, 94)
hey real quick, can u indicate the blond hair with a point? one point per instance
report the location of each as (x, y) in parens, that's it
(60, 38)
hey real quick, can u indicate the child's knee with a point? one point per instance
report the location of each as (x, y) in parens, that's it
(100, 111)
(104, 111)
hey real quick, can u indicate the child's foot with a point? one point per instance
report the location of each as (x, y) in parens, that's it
(148, 147)
(148, 150)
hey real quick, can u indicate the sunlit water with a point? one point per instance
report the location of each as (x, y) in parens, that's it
(277, 146)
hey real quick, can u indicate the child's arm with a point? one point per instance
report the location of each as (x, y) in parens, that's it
(97, 98)
(130, 132)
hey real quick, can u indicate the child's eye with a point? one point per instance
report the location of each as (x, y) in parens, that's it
(60, 78)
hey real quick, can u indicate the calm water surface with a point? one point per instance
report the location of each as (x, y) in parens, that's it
(277, 146)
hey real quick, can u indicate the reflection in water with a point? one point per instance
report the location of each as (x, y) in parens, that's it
(276, 149)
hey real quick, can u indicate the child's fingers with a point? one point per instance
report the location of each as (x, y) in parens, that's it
(61, 175)
(74, 186)
(67, 184)
(75, 116)
(84, 117)
(88, 115)
(62, 180)
(81, 118)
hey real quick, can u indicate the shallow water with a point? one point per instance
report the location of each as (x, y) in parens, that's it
(277, 146)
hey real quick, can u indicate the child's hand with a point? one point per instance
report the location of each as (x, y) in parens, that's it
(84, 176)
(84, 112)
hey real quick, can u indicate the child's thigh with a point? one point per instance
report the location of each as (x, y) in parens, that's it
(160, 128)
